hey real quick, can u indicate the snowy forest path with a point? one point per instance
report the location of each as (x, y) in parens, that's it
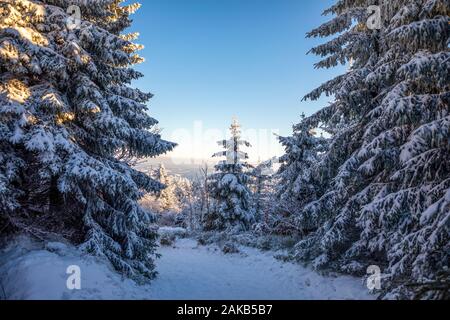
(189, 271)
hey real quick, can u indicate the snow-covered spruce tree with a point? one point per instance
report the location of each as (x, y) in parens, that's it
(68, 119)
(298, 185)
(167, 198)
(183, 192)
(297, 182)
(229, 187)
(387, 173)
(262, 185)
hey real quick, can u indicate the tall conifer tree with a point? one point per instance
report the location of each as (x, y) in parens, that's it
(69, 123)
(229, 186)
(386, 176)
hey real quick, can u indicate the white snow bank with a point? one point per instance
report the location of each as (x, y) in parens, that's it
(32, 272)
(172, 231)
(187, 271)
(195, 272)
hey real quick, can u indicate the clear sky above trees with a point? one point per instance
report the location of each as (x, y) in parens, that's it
(211, 60)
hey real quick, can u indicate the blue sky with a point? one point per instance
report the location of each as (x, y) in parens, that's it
(210, 60)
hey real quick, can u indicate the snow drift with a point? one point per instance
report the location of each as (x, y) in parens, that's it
(31, 270)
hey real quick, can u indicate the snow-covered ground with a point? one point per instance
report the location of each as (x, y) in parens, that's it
(186, 271)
